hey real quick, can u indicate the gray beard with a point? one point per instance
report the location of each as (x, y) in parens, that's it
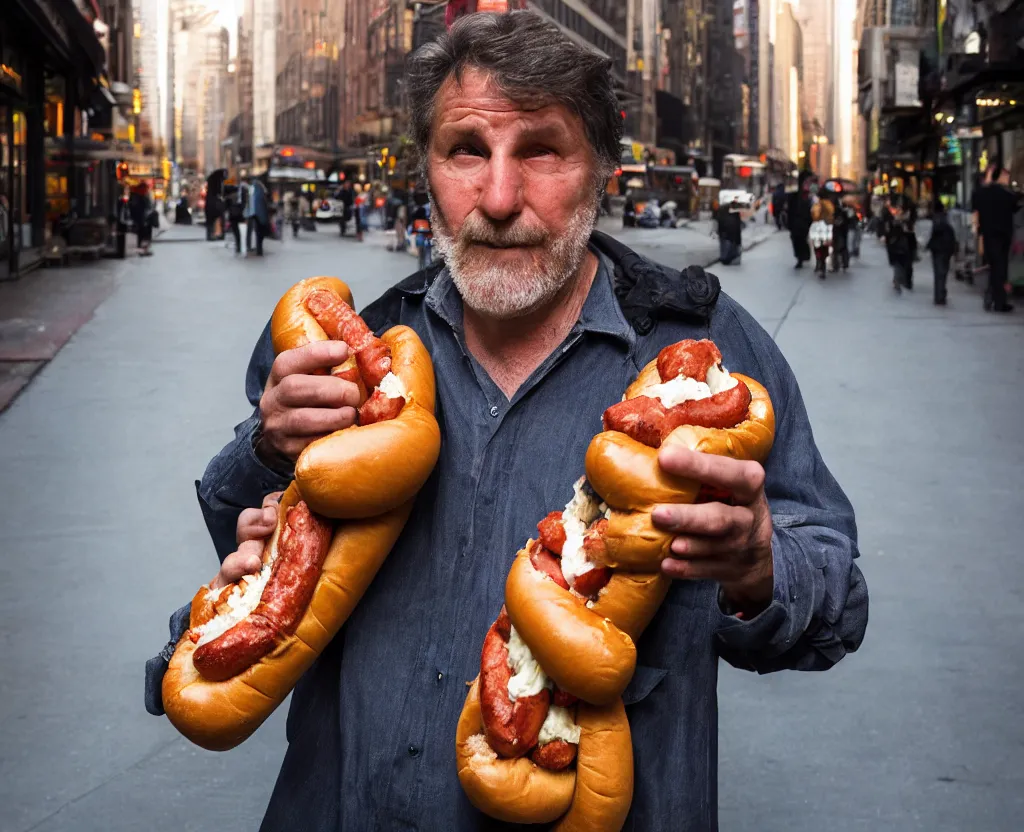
(503, 291)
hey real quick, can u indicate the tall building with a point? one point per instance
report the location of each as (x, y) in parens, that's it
(817, 21)
(309, 76)
(787, 82)
(146, 60)
(264, 80)
(210, 123)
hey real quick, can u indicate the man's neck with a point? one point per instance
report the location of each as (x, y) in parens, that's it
(511, 350)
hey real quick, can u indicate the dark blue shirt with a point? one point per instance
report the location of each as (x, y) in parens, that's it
(371, 728)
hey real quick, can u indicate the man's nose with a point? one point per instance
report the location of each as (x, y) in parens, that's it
(501, 197)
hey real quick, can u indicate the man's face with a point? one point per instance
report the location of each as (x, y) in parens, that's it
(514, 193)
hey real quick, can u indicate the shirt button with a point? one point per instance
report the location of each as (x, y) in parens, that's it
(494, 410)
(414, 751)
(440, 676)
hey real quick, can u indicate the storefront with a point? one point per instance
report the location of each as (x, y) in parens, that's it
(50, 61)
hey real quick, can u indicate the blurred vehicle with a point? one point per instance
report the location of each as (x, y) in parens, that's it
(727, 196)
(743, 173)
(330, 208)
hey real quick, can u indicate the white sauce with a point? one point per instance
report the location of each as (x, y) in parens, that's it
(527, 677)
(583, 509)
(240, 602)
(683, 389)
(558, 725)
(392, 387)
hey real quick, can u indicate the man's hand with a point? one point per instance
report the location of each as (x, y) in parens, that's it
(299, 405)
(731, 544)
(255, 525)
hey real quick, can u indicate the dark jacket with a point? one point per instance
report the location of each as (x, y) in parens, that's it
(943, 241)
(372, 724)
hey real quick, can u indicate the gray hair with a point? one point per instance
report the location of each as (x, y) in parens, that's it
(532, 62)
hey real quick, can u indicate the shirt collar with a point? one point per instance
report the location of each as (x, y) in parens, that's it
(601, 312)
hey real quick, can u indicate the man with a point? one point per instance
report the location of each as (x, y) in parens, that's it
(841, 227)
(943, 245)
(779, 205)
(730, 233)
(799, 219)
(996, 205)
(348, 201)
(897, 229)
(257, 217)
(519, 128)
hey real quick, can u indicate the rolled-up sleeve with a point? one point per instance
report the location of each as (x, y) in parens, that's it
(819, 611)
(234, 480)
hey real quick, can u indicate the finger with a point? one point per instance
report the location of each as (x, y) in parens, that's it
(700, 570)
(247, 560)
(709, 519)
(744, 479)
(316, 391)
(686, 547)
(273, 499)
(316, 421)
(317, 355)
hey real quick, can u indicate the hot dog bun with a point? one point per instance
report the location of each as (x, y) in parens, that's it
(220, 715)
(364, 470)
(517, 791)
(604, 771)
(591, 658)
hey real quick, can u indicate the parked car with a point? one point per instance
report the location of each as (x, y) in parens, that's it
(330, 208)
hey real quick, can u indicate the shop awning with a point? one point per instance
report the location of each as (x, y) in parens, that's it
(67, 33)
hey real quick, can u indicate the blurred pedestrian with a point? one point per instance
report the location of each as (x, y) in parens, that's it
(730, 233)
(943, 246)
(996, 205)
(897, 229)
(140, 207)
(629, 211)
(237, 212)
(779, 205)
(822, 214)
(842, 224)
(360, 208)
(257, 217)
(293, 212)
(348, 201)
(798, 213)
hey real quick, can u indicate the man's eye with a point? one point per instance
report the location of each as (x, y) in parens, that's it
(464, 150)
(539, 151)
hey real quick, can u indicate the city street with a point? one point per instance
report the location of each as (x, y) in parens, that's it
(916, 410)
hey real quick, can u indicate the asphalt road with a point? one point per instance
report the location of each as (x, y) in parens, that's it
(916, 409)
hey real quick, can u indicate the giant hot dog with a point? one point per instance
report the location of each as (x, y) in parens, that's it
(249, 642)
(546, 708)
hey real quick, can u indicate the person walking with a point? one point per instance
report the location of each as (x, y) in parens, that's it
(348, 201)
(359, 209)
(996, 205)
(841, 227)
(799, 218)
(293, 212)
(140, 207)
(897, 230)
(730, 234)
(257, 217)
(237, 211)
(779, 205)
(943, 245)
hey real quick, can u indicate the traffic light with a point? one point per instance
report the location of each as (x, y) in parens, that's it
(383, 160)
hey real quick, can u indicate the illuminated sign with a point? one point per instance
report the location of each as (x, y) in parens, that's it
(10, 76)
